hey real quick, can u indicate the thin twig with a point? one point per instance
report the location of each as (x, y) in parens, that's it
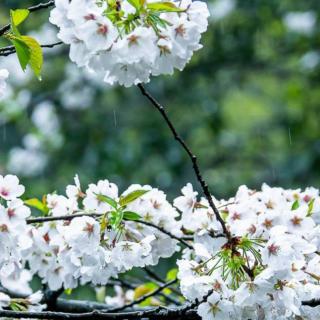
(94, 215)
(7, 51)
(191, 155)
(37, 7)
(145, 297)
(131, 286)
(63, 218)
(165, 232)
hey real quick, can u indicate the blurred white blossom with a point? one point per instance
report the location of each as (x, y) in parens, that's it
(300, 22)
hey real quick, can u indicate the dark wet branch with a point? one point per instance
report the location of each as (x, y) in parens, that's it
(7, 51)
(191, 155)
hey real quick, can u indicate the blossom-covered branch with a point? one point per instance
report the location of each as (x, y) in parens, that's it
(94, 215)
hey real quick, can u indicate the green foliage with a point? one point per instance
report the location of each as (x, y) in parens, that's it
(132, 196)
(28, 50)
(146, 14)
(310, 207)
(114, 217)
(295, 205)
(172, 274)
(38, 204)
(129, 215)
(159, 7)
(18, 16)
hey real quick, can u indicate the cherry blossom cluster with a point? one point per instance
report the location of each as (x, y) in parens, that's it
(271, 265)
(126, 41)
(14, 239)
(108, 239)
(268, 267)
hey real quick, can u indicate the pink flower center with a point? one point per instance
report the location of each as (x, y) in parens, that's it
(90, 16)
(296, 221)
(46, 238)
(89, 228)
(306, 198)
(267, 223)
(273, 249)
(4, 192)
(236, 216)
(11, 213)
(102, 29)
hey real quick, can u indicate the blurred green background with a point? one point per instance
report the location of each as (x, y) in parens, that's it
(248, 104)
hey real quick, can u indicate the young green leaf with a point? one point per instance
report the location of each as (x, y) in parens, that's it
(129, 215)
(37, 204)
(108, 200)
(135, 3)
(295, 205)
(172, 274)
(36, 55)
(131, 197)
(144, 289)
(23, 52)
(68, 291)
(310, 207)
(164, 7)
(18, 16)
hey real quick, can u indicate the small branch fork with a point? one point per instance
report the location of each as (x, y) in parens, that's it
(191, 155)
(37, 7)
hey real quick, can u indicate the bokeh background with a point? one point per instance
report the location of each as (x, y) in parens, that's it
(248, 104)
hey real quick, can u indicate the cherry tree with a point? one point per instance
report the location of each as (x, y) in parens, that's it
(253, 256)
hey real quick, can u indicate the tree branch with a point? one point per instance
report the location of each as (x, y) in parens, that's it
(145, 297)
(85, 214)
(165, 232)
(7, 51)
(61, 218)
(131, 286)
(155, 313)
(191, 155)
(37, 7)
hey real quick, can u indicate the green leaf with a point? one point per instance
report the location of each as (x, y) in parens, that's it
(131, 197)
(295, 205)
(172, 274)
(144, 289)
(68, 291)
(108, 200)
(18, 16)
(36, 55)
(112, 218)
(164, 7)
(119, 218)
(37, 204)
(310, 207)
(135, 3)
(103, 224)
(23, 52)
(129, 215)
